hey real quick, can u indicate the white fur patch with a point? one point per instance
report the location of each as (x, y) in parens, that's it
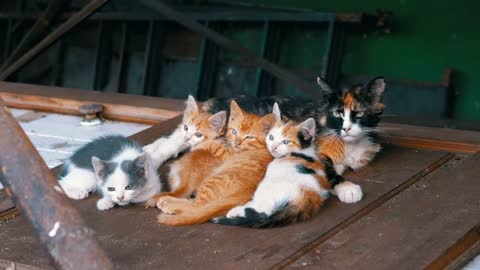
(78, 183)
(174, 176)
(348, 192)
(165, 148)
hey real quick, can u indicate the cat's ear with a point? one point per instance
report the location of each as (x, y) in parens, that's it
(267, 122)
(276, 112)
(100, 167)
(324, 86)
(191, 107)
(141, 162)
(307, 129)
(235, 111)
(375, 89)
(217, 121)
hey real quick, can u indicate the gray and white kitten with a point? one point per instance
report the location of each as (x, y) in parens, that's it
(113, 166)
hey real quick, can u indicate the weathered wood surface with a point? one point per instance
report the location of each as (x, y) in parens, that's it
(445, 139)
(134, 240)
(414, 230)
(121, 107)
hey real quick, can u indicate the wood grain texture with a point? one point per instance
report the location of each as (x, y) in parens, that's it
(121, 107)
(427, 225)
(443, 139)
(133, 239)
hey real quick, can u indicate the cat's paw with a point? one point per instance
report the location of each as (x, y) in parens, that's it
(238, 211)
(152, 203)
(105, 204)
(76, 194)
(166, 204)
(348, 192)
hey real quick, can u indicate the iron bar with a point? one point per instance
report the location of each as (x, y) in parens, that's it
(217, 14)
(229, 44)
(153, 58)
(52, 37)
(122, 60)
(39, 29)
(60, 228)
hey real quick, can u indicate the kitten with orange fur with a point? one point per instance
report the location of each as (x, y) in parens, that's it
(197, 126)
(297, 181)
(234, 182)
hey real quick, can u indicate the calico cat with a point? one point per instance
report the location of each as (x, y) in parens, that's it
(234, 181)
(346, 120)
(196, 127)
(114, 166)
(296, 183)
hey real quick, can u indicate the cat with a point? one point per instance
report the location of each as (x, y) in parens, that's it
(188, 172)
(196, 127)
(234, 181)
(346, 120)
(114, 166)
(296, 183)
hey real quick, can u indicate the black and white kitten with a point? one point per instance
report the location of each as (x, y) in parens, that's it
(114, 166)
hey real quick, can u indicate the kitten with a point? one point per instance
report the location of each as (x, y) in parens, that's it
(234, 181)
(346, 120)
(296, 183)
(188, 172)
(196, 127)
(114, 166)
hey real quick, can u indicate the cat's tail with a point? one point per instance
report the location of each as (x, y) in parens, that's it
(201, 214)
(286, 214)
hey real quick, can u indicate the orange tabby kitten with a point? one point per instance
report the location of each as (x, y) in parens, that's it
(232, 183)
(197, 126)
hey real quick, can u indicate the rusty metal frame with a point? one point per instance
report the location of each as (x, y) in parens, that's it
(56, 223)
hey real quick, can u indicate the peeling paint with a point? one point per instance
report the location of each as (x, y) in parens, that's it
(54, 230)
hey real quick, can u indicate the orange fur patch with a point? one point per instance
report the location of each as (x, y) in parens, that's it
(332, 147)
(348, 101)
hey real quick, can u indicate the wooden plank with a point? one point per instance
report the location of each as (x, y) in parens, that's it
(444, 139)
(134, 240)
(425, 227)
(121, 107)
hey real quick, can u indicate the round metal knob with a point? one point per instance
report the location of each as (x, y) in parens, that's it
(92, 114)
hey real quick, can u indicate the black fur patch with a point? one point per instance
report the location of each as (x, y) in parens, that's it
(332, 176)
(302, 156)
(304, 170)
(303, 143)
(135, 173)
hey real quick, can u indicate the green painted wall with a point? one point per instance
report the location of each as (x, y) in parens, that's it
(428, 37)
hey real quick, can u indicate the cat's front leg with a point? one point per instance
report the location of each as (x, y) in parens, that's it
(105, 204)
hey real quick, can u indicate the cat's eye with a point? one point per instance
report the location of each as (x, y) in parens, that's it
(336, 113)
(111, 189)
(360, 114)
(270, 137)
(185, 127)
(128, 187)
(286, 141)
(198, 134)
(249, 137)
(234, 131)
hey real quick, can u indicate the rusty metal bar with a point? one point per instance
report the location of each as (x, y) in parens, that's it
(52, 37)
(60, 228)
(279, 72)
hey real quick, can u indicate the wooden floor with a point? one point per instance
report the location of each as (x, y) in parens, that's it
(421, 210)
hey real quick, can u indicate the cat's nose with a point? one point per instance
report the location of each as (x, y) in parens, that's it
(120, 198)
(347, 129)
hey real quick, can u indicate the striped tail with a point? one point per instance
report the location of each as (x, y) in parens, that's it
(285, 215)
